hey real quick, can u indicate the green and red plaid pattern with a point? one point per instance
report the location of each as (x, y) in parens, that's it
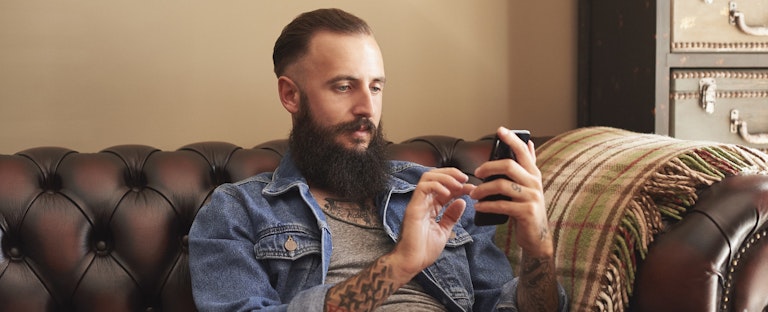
(609, 191)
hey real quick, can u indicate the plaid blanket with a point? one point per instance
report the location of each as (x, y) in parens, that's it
(609, 191)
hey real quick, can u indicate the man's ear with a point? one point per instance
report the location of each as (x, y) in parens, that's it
(289, 94)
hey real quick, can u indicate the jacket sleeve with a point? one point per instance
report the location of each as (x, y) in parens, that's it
(508, 302)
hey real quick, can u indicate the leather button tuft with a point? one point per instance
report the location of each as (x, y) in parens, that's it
(136, 180)
(15, 253)
(101, 246)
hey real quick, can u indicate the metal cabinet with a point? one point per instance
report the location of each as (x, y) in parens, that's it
(694, 69)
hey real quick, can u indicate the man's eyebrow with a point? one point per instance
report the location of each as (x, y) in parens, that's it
(353, 78)
(341, 78)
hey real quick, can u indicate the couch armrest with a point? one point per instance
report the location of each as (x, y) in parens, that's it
(714, 259)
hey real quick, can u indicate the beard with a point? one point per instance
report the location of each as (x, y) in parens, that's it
(355, 175)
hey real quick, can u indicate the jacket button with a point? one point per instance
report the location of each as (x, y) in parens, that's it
(290, 244)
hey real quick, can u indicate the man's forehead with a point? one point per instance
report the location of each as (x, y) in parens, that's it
(342, 54)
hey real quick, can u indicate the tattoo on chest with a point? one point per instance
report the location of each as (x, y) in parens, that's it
(357, 213)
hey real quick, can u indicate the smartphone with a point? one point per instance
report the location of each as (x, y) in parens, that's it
(500, 150)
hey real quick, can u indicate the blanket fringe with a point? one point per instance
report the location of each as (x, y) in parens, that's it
(668, 195)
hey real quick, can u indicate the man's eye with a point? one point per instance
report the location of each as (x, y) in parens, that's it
(343, 88)
(375, 89)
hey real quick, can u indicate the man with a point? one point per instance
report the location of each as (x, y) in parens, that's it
(337, 227)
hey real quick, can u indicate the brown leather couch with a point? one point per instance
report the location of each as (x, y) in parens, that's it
(107, 231)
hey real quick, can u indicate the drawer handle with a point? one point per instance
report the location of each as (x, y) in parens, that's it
(740, 126)
(737, 18)
(707, 94)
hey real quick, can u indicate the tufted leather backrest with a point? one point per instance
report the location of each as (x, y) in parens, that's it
(107, 231)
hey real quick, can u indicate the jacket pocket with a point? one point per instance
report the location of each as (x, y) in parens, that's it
(288, 242)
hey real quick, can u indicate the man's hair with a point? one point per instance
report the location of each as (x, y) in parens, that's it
(294, 40)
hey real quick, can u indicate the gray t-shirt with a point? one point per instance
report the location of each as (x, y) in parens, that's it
(355, 247)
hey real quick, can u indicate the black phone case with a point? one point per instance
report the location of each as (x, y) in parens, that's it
(500, 150)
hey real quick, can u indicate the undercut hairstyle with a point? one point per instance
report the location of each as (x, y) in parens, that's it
(294, 39)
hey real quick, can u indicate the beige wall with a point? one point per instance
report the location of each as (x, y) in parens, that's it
(92, 74)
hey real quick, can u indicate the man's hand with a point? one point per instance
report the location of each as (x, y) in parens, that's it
(422, 239)
(537, 290)
(526, 207)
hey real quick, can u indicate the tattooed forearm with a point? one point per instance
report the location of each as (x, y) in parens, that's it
(544, 233)
(537, 290)
(364, 291)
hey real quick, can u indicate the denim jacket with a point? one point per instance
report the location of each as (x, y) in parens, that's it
(263, 244)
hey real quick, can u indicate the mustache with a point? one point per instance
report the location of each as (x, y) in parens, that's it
(355, 125)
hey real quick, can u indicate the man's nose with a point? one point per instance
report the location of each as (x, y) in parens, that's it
(364, 104)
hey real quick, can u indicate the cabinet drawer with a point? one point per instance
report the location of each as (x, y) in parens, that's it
(719, 26)
(729, 106)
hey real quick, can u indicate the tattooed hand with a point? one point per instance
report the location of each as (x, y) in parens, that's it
(526, 207)
(537, 290)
